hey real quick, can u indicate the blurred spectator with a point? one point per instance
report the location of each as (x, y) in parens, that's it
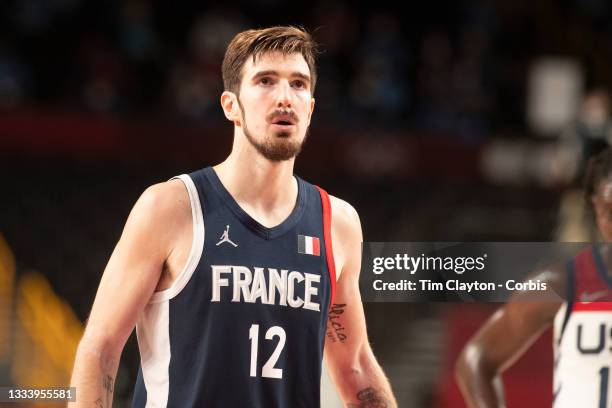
(137, 35)
(196, 83)
(587, 136)
(102, 76)
(139, 43)
(461, 73)
(591, 133)
(455, 86)
(469, 79)
(335, 27)
(434, 82)
(379, 88)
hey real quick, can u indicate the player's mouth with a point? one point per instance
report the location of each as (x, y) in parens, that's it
(283, 123)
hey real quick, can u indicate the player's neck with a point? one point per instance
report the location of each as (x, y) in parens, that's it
(258, 183)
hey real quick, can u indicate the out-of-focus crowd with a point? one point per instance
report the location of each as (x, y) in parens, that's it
(445, 67)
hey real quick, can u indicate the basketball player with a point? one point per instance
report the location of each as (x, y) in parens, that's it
(232, 273)
(582, 324)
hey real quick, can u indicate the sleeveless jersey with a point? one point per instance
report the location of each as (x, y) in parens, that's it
(244, 323)
(583, 336)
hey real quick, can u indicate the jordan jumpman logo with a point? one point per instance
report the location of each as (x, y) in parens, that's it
(225, 238)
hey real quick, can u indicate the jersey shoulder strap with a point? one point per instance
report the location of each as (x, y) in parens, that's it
(331, 265)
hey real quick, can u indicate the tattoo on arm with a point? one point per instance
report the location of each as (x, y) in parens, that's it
(108, 384)
(370, 398)
(335, 330)
(99, 403)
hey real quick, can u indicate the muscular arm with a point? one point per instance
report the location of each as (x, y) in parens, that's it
(348, 356)
(130, 278)
(503, 339)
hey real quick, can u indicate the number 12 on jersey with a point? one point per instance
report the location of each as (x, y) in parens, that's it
(268, 370)
(603, 386)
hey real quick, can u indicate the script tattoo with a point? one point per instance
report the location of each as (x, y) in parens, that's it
(107, 383)
(99, 403)
(335, 330)
(370, 398)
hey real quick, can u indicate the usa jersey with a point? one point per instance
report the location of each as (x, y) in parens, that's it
(243, 325)
(583, 336)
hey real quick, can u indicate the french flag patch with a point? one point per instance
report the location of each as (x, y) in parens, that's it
(309, 245)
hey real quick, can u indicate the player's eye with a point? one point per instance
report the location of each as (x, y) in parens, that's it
(265, 81)
(299, 84)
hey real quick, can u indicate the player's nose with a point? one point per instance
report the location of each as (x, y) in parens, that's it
(283, 98)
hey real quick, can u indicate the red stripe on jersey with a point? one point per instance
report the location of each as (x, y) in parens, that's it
(331, 266)
(316, 248)
(592, 306)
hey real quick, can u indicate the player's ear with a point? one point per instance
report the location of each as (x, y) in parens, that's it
(312, 105)
(231, 109)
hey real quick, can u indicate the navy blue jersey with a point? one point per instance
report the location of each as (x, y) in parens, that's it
(243, 325)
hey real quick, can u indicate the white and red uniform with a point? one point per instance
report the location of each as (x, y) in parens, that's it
(583, 336)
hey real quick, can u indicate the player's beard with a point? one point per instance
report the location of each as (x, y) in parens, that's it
(279, 147)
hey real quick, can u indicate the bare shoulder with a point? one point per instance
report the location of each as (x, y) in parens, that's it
(161, 213)
(346, 237)
(555, 277)
(169, 196)
(529, 310)
(345, 218)
(167, 201)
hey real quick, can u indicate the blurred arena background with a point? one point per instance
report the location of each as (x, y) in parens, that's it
(449, 121)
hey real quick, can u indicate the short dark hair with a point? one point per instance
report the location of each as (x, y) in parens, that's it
(599, 168)
(254, 43)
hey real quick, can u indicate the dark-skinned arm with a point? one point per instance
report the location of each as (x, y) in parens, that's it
(505, 336)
